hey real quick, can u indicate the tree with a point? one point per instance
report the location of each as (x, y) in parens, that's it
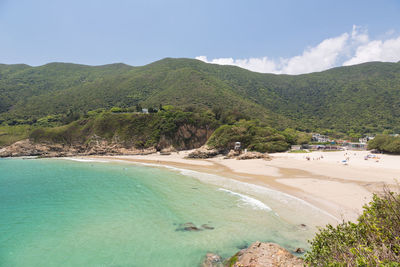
(153, 110)
(138, 107)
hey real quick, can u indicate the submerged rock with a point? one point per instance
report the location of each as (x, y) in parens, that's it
(243, 246)
(207, 227)
(303, 226)
(264, 254)
(212, 260)
(189, 227)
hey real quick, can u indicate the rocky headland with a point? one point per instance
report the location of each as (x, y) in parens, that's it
(27, 147)
(258, 254)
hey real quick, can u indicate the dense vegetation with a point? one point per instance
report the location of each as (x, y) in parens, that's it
(373, 241)
(356, 99)
(385, 143)
(164, 128)
(133, 129)
(252, 136)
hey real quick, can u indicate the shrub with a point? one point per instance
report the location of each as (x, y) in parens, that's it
(373, 241)
(252, 136)
(385, 143)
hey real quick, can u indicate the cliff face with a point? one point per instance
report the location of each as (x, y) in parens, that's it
(187, 137)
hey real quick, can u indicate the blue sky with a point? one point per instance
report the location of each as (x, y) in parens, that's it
(266, 36)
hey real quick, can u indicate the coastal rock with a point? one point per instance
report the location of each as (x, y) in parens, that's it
(212, 260)
(264, 255)
(299, 250)
(203, 152)
(27, 148)
(246, 155)
(232, 154)
(96, 146)
(167, 150)
(253, 155)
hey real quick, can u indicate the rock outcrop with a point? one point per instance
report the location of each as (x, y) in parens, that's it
(27, 148)
(246, 155)
(232, 154)
(264, 255)
(187, 137)
(167, 151)
(253, 155)
(203, 152)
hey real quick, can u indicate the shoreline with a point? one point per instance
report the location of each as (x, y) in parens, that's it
(338, 190)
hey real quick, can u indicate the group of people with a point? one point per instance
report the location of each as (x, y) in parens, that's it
(317, 158)
(373, 157)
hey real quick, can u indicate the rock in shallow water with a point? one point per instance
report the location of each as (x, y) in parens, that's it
(207, 227)
(190, 227)
(244, 245)
(212, 260)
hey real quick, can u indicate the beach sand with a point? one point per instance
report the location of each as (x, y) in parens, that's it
(323, 180)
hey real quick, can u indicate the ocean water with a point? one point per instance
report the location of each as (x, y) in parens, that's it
(58, 212)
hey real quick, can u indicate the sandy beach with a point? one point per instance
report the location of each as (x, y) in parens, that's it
(323, 180)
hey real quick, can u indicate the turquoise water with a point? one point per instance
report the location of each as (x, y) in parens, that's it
(64, 213)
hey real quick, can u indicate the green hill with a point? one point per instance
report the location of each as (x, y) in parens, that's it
(362, 98)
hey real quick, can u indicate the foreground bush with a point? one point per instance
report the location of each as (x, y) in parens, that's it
(373, 241)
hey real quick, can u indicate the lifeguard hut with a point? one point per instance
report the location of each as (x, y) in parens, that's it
(238, 146)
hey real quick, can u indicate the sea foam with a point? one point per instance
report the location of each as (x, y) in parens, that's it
(86, 160)
(255, 203)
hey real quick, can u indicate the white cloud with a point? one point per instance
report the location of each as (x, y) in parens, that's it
(346, 49)
(359, 35)
(254, 64)
(321, 57)
(377, 50)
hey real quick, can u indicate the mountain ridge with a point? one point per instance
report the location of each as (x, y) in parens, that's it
(361, 98)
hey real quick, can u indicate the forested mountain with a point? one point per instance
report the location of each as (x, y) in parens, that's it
(362, 98)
